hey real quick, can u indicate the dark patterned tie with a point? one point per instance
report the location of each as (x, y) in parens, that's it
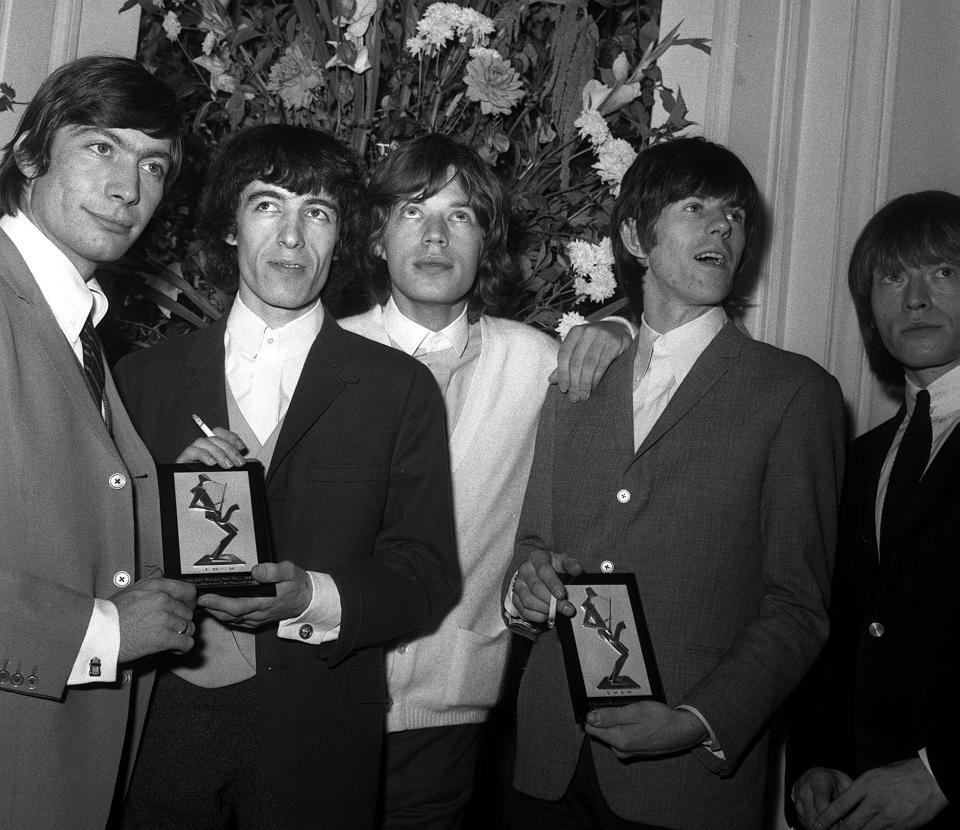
(93, 370)
(912, 457)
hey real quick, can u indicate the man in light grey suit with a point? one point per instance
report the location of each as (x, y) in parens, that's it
(708, 464)
(81, 178)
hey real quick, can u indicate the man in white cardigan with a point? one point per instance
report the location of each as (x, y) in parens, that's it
(440, 272)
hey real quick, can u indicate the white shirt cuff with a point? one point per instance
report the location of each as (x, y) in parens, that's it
(926, 762)
(320, 620)
(711, 743)
(97, 659)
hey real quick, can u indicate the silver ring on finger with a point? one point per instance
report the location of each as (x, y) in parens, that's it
(186, 625)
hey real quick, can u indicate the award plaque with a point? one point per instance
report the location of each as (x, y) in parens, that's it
(215, 528)
(606, 646)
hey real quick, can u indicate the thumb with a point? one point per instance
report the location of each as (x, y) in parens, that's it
(267, 572)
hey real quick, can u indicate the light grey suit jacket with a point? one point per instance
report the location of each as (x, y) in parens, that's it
(730, 528)
(77, 504)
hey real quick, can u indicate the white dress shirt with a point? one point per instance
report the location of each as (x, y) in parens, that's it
(263, 367)
(71, 300)
(663, 361)
(450, 354)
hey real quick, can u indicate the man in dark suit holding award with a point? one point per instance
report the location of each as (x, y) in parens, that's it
(707, 464)
(88, 165)
(874, 739)
(278, 720)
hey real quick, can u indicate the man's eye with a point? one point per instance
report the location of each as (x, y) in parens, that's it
(410, 212)
(264, 207)
(891, 278)
(319, 213)
(155, 168)
(693, 207)
(101, 148)
(945, 272)
(735, 215)
(462, 216)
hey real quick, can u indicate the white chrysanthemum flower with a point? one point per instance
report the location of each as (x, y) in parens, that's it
(209, 41)
(443, 22)
(593, 126)
(568, 321)
(593, 265)
(171, 25)
(614, 158)
(581, 255)
(471, 22)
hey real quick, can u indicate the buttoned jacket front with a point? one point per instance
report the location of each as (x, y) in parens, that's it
(78, 506)
(727, 516)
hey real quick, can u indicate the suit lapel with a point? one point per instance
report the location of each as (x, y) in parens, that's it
(45, 328)
(703, 376)
(327, 369)
(204, 382)
(873, 455)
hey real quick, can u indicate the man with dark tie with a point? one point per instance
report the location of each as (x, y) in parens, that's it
(88, 164)
(874, 739)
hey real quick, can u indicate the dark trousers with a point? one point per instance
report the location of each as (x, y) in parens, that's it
(428, 777)
(200, 765)
(582, 806)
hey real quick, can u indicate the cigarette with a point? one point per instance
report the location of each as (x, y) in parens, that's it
(552, 615)
(203, 427)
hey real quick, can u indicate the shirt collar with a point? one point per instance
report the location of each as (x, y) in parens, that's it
(944, 394)
(70, 297)
(247, 331)
(410, 335)
(683, 345)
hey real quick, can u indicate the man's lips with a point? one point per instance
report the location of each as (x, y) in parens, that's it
(111, 224)
(433, 264)
(918, 329)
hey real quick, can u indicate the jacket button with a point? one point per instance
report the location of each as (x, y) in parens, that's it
(876, 629)
(623, 496)
(305, 632)
(17, 679)
(121, 579)
(402, 648)
(606, 566)
(125, 676)
(117, 481)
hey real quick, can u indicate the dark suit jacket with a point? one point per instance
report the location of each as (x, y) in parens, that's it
(874, 700)
(729, 525)
(358, 488)
(78, 507)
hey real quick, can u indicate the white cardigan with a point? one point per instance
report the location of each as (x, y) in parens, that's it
(453, 675)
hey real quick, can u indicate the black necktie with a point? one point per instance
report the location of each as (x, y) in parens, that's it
(93, 370)
(912, 457)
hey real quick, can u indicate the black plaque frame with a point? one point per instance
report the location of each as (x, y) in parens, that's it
(215, 526)
(606, 646)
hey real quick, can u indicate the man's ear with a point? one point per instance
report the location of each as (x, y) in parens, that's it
(231, 239)
(631, 241)
(25, 164)
(379, 251)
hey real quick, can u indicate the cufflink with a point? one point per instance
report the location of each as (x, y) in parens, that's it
(95, 667)
(305, 632)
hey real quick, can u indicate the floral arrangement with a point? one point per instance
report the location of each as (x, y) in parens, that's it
(556, 96)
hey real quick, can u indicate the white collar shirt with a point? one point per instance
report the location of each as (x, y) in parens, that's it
(263, 365)
(663, 361)
(71, 299)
